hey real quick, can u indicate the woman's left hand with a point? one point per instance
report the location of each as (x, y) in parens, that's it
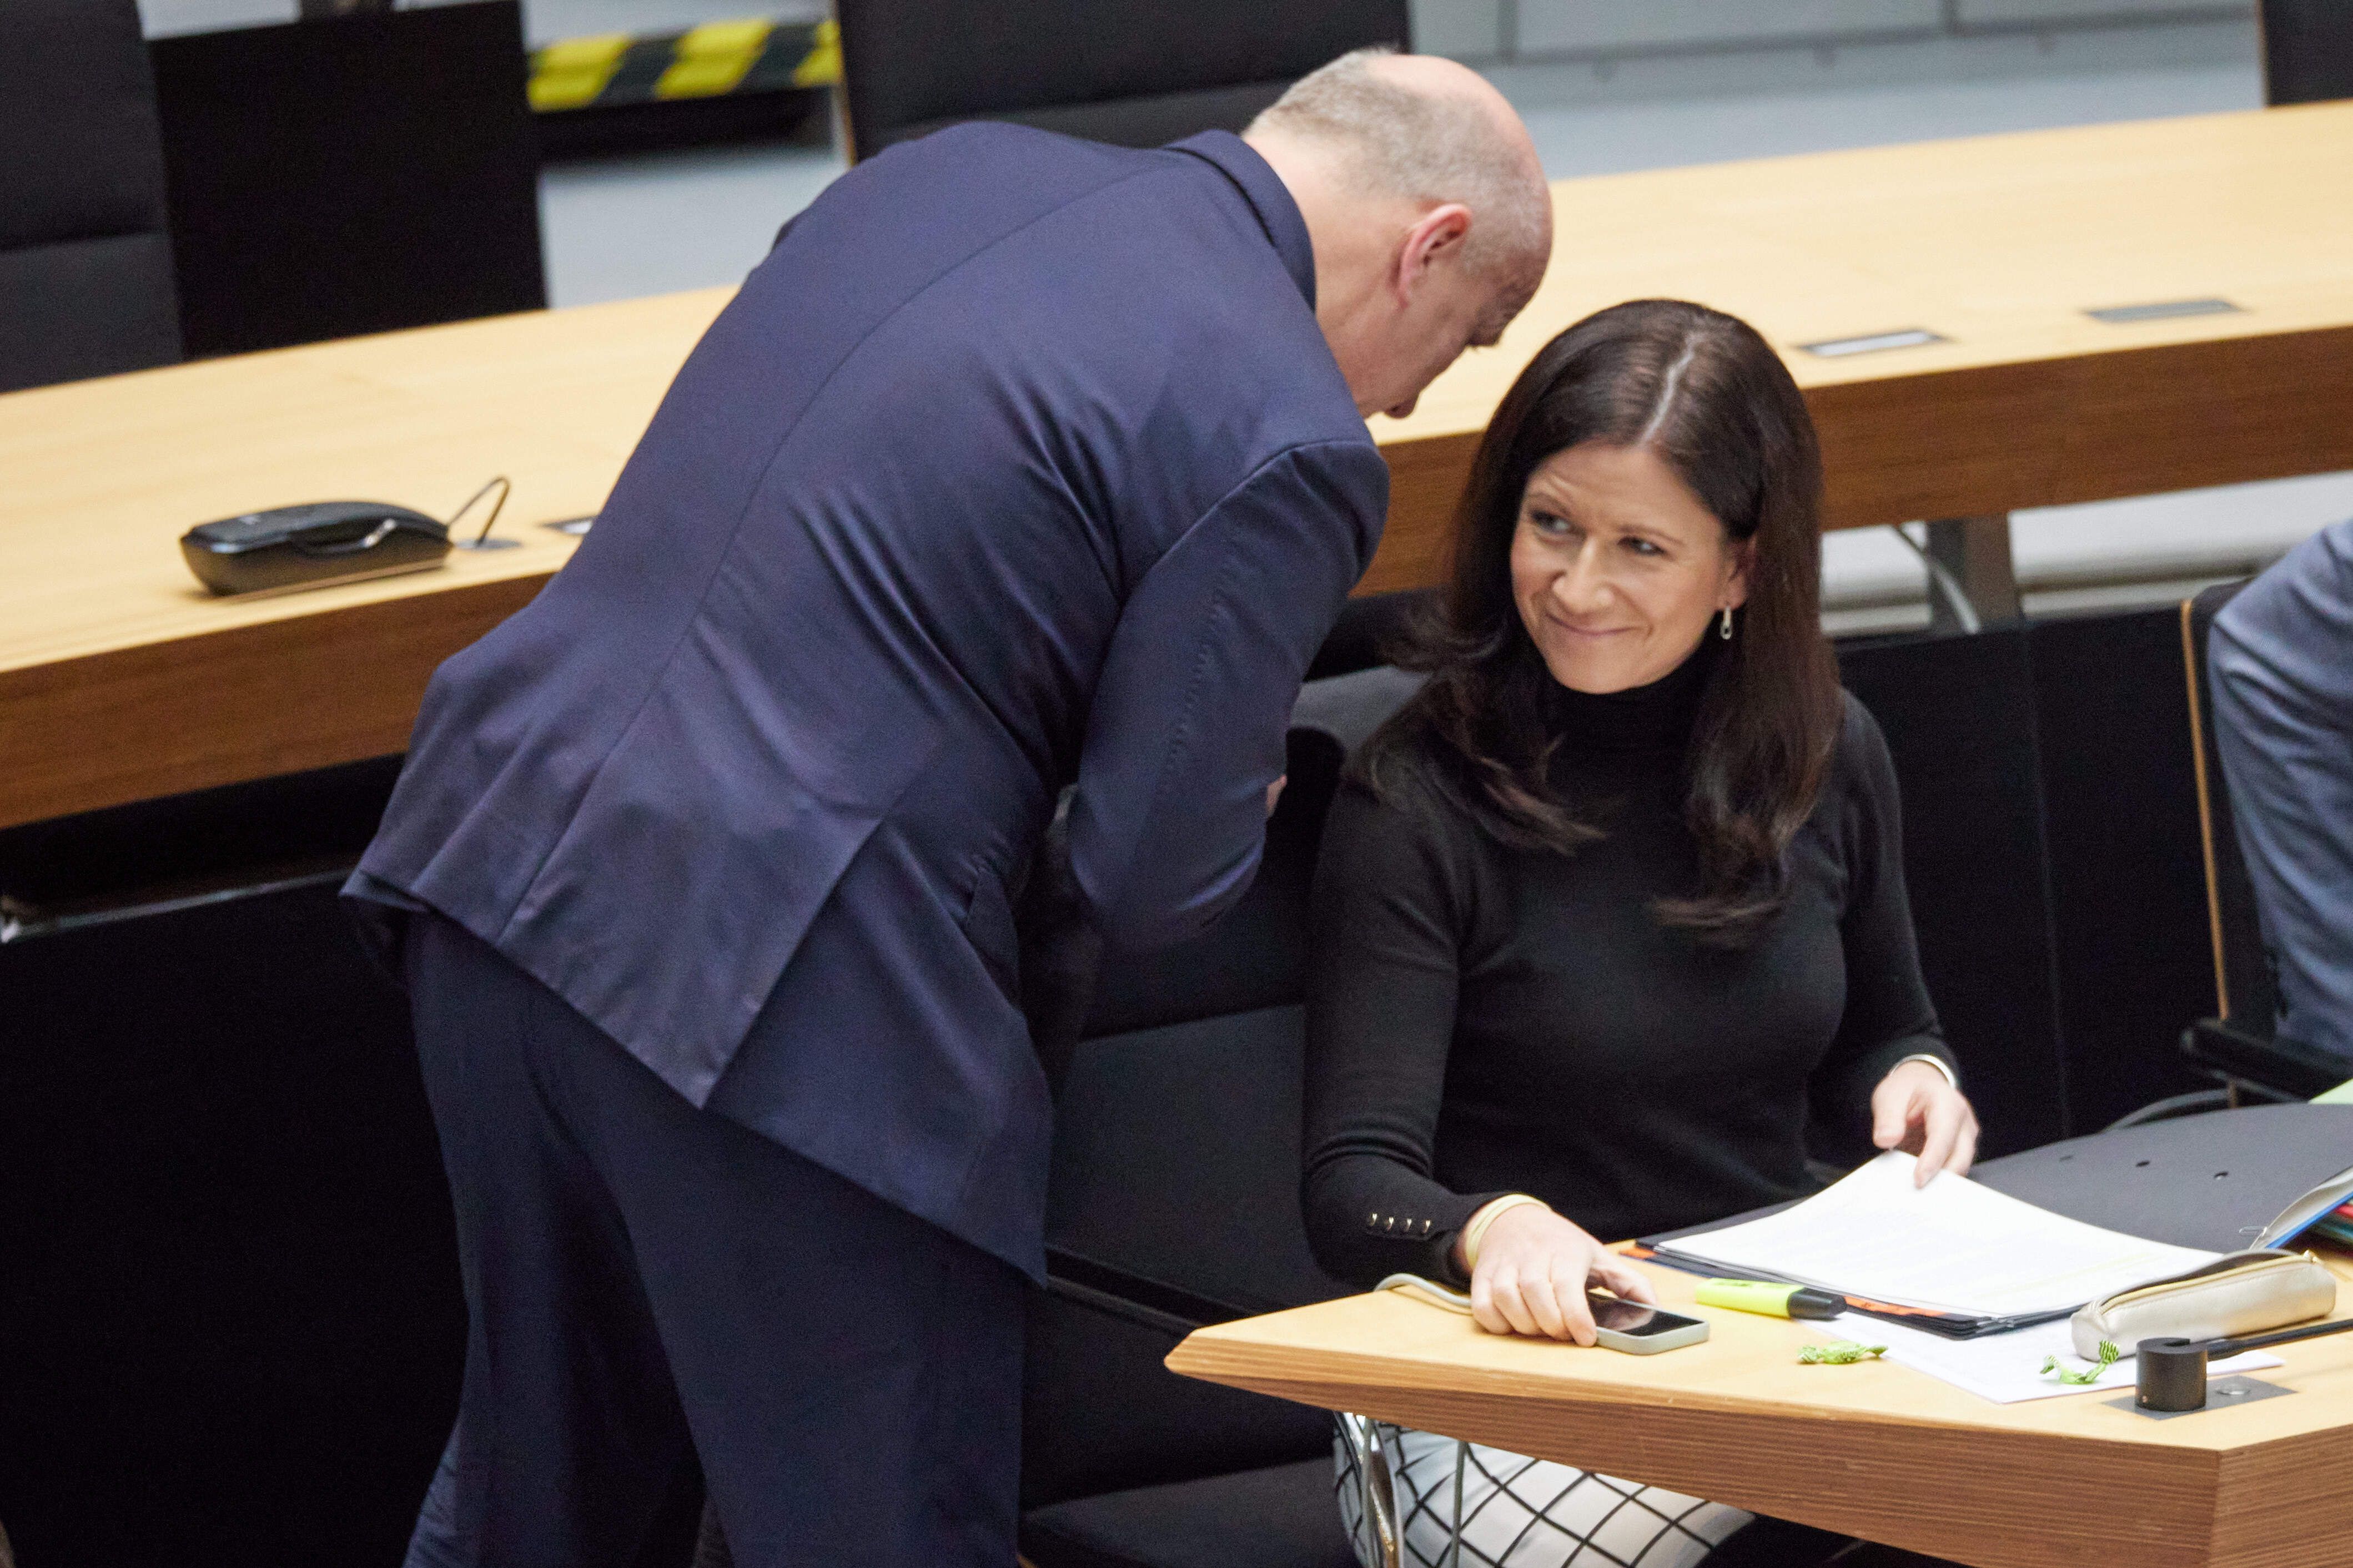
(1915, 1109)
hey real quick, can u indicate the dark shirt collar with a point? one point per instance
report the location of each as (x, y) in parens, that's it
(1265, 192)
(1654, 720)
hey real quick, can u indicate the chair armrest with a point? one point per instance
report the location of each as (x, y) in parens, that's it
(1108, 1288)
(2293, 1069)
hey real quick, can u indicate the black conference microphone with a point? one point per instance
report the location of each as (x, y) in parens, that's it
(320, 543)
(2171, 1375)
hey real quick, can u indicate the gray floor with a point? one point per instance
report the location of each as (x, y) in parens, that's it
(546, 19)
(684, 220)
(1606, 117)
(543, 20)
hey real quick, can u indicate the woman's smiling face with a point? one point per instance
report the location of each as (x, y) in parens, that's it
(1617, 568)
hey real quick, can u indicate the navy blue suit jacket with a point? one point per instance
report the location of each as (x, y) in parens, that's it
(1019, 460)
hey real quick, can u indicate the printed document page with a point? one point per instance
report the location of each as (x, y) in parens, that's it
(2007, 1368)
(1952, 1245)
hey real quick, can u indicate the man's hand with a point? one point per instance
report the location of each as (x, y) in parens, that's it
(1534, 1267)
(1914, 1108)
(1274, 792)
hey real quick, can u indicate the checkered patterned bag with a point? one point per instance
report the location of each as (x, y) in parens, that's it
(1415, 1500)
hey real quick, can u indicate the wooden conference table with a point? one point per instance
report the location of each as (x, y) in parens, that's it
(1873, 1449)
(122, 681)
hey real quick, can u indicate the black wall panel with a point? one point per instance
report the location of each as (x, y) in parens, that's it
(350, 175)
(230, 1330)
(2127, 877)
(1960, 721)
(2050, 843)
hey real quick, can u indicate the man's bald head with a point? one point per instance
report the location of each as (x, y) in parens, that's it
(1429, 130)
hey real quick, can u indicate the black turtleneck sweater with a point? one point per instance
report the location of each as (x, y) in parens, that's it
(1484, 1019)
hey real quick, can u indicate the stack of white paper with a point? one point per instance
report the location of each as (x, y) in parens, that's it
(1950, 1247)
(2007, 1368)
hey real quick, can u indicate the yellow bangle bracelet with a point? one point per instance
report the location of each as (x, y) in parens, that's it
(1476, 1231)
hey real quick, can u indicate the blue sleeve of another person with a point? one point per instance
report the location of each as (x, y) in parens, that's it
(1186, 730)
(2281, 669)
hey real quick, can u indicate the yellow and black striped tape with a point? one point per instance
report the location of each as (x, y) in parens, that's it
(710, 61)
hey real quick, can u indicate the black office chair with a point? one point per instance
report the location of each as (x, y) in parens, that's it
(2307, 50)
(1175, 1206)
(85, 261)
(1136, 76)
(2240, 1045)
(1174, 1203)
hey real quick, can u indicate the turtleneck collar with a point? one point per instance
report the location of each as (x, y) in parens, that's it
(1656, 718)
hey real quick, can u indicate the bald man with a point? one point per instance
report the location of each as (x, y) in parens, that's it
(1020, 462)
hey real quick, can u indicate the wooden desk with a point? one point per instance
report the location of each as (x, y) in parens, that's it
(121, 680)
(1998, 244)
(1875, 1449)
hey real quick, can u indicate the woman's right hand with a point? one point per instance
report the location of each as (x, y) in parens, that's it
(1534, 1270)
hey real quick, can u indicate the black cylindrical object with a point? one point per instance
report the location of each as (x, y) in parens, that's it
(2172, 1374)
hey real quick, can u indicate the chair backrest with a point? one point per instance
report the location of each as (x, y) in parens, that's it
(354, 173)
(1135, 75)
(1176, 1153)
(2245, 993)
(1175, 1192)
(2307, 50)
(85, 261)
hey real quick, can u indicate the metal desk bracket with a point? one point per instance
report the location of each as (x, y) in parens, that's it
(2222, 1394)
(1971, 582)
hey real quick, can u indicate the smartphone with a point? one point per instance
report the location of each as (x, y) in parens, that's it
(1626, 1326)
(1638, 1329)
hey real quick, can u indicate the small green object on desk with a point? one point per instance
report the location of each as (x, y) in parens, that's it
(2108, 1355)
(1839, 1352)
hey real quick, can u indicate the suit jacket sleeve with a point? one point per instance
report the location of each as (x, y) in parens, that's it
(2284, 722)
(1185, 731)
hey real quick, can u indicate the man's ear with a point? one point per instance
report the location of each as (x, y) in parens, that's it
(1436, 236)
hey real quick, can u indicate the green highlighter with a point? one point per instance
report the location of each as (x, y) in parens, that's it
(1772, 1300)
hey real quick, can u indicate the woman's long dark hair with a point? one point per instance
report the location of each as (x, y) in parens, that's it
(1709, 396)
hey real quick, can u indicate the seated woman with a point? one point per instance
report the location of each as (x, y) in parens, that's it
(1616, 903)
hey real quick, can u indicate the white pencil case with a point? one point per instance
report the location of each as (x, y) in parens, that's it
(2242, 1293)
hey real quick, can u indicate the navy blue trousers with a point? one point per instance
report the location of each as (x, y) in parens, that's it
(650, 1286)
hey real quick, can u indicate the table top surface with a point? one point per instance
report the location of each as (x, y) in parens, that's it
(104, 476)
(1996, 243)
(1750, 1364)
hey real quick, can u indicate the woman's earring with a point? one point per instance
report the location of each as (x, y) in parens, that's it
(1723, 627)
